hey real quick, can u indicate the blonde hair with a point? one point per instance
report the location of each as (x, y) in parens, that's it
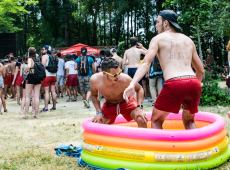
(228, 46)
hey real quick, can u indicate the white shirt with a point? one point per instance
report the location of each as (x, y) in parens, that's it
(61, 64)
(70, 66)
(48, 74)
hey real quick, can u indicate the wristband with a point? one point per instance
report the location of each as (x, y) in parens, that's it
(141, 106)
(99, 112)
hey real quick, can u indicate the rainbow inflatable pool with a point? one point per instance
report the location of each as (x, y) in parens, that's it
(123, 145)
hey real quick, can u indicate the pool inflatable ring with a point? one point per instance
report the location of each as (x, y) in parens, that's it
(123, 145)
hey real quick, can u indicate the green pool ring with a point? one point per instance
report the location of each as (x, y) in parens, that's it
(108, 163)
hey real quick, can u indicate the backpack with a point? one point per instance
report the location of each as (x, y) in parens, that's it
(39, 71)
(53, 64)
(156, 64)
(84, 66)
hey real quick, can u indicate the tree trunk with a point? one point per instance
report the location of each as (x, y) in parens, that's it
(104, 23)
(127, 40)
(67, 31)
(25, 33)
(100, 29)
(87, 31)
(110, 27)
(95, 30)
(131, 23)
(135, 22)
(199, 43)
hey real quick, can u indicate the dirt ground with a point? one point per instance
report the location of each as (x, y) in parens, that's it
(29, 143)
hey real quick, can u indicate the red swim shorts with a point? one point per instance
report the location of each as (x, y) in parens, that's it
(72, 80)
(185, 91)
(11, 80)
(49, 81)
(111, 111)
(7, 80)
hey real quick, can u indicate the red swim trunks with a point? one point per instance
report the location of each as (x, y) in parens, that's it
(7, 80)
(19, 79)
(72, 80)
(49, 81)
(111, 111)
(185, 91)
(11, 80)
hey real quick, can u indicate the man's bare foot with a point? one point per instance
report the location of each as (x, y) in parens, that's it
(24, 117)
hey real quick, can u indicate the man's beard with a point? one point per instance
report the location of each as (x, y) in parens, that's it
(44, 53)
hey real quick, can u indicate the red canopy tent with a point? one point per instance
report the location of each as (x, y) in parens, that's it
(76, 49)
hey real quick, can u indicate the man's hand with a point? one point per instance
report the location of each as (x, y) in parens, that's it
(98, 118)
(141, 113)
(140, 45)
(129, 93)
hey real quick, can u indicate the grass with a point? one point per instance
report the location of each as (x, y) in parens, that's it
(29, 144)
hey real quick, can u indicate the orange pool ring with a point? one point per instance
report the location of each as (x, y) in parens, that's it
(150, 145)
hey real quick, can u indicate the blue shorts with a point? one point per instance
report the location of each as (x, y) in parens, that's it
(60, 80)
(131, 73)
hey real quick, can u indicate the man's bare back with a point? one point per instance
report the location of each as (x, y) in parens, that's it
(176, 53)
(119, 60)
(12, 67)
(133, 55)
(113, 93)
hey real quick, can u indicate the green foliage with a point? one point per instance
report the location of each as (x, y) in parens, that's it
(9, 9)
(213, 95)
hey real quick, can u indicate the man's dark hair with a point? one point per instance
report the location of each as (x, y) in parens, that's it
(19, 59)
(170, 24)
(102, 52)
(74, 56)
(59, 54)
(109, 63)
(12, 58)
(133, 41)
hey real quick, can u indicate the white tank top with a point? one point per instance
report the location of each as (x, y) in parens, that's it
(48, 74)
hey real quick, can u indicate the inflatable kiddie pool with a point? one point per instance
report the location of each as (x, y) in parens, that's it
(123, 145)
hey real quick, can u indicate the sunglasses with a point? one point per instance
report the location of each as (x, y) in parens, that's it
(114, 75)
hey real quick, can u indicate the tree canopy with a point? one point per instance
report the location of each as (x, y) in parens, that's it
(62, 23)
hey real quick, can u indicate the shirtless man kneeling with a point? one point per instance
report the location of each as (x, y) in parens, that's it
(111, 83)
(176, 53)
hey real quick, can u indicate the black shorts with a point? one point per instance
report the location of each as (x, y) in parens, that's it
(24, 84)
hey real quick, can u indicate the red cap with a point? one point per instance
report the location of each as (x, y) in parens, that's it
(11, 54)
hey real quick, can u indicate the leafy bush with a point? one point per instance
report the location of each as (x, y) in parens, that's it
(213, 95)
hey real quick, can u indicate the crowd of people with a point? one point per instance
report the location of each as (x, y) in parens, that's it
(143, 72)
(19, 81)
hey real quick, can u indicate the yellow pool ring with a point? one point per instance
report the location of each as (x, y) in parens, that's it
(150, 156)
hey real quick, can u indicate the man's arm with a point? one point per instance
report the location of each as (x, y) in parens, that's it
(96, 101)
(143, 48)
(197, 64)
(93, 68)
(1, 68)
(44, 59)
(124, 60)
(142, 69)
(140, 94)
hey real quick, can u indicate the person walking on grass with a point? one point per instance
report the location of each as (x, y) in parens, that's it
(32, 83)
(71, 78)
(85, 66)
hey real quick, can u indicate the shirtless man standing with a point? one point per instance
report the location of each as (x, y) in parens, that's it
(113, 52)
(111, 83)
(12, 70)
(176, 53)
(133, 55)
